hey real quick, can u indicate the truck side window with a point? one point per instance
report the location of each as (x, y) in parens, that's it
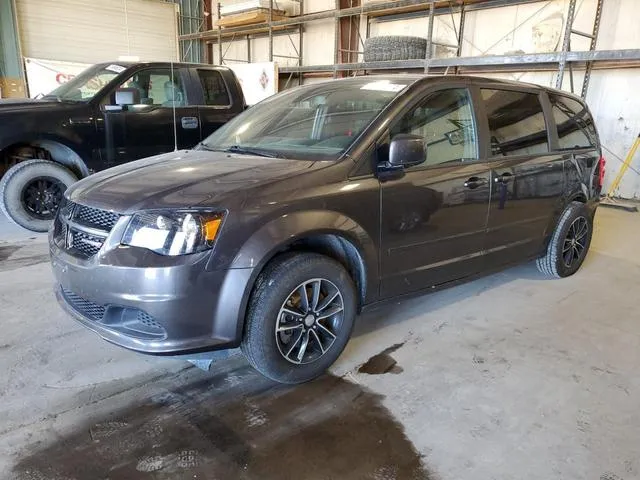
(158, 87)
(215, 90)
(445, 120)
(516, 122)
(574, 123)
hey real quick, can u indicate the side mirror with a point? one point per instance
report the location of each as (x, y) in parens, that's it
(127, 96)
(406, 150)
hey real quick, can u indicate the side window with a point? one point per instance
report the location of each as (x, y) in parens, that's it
(158, 87)
(516, 122)
(574, 123)
(215, 90)
(445, 120)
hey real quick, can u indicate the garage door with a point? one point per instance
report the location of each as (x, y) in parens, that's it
(98, 31)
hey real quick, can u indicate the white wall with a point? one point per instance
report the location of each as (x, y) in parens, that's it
(92, 32)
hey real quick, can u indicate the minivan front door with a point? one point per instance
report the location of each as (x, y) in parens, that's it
(527, 180)
(434, 216)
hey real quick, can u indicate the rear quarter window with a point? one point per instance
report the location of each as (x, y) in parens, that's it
(575, 125)
(214, 88)
(516, 122)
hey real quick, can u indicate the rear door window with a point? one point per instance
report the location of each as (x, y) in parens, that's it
(516, 122)
(214, 88)
(574, 123)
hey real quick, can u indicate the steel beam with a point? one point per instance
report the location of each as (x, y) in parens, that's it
(566, 42)
(619, 56)
(369, 8)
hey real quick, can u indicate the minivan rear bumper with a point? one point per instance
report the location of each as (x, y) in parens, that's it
(179, 307)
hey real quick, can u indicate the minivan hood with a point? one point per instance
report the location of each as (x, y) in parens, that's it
(179, 179)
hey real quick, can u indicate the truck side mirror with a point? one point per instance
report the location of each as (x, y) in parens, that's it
(407, 150)
(127, 96)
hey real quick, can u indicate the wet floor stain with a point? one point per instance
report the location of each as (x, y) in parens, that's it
(10, 261)
(7, 250)
(382, 362)
(234, 424)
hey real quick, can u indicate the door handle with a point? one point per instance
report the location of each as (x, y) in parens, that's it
(475, 182)
(504, 178)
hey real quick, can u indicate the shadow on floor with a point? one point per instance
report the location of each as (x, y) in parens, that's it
(236, 425)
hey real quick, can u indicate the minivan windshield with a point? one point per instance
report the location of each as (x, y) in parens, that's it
(87, 84)
(314, 122)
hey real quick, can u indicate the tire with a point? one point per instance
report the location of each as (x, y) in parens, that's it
(380, 49)
(266, 349)
(18, 178)
(573, 220)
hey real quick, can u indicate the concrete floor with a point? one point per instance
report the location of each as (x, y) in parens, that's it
(509, 377)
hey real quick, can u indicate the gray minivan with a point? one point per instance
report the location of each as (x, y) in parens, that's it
(315, 204)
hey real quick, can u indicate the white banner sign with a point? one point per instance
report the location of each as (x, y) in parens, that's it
(44, 76)
(258, 80)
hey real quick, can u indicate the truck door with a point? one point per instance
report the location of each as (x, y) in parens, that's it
(217, 105)
(157, 115)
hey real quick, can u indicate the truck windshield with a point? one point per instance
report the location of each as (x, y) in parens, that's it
(314, 122)
(87, 84)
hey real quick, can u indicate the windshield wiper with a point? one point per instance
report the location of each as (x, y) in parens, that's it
(253, 151)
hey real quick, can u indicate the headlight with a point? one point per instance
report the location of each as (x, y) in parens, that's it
(173, 233)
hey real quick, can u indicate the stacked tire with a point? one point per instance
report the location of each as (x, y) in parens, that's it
(394, 47)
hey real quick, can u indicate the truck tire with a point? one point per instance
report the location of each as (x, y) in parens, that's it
(300, 317)
(395, 47)
(31, 191)
(569, 243)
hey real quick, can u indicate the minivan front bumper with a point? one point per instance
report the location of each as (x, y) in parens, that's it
(174, 308)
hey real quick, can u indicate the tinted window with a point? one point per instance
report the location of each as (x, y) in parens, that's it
(574, 123)
(157, 86)
(215, 90)
(445, 120)
(516, 122)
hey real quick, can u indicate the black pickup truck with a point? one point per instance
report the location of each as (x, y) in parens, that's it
(109, 114)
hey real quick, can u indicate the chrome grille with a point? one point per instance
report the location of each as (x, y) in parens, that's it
(82, 230)
(84, 307)
(94, 218)
(83, 244)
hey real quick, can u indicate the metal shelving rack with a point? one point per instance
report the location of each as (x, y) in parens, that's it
(428, 9)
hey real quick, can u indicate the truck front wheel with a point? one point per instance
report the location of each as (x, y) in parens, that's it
(31, 191)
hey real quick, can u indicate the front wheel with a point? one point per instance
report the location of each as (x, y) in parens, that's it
(569, 243)
(300, 317)
(31, 191)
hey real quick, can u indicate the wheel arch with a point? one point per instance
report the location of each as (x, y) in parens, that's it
(328, 233)
(53, 149)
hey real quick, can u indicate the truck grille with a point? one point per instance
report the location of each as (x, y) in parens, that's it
(81, 230)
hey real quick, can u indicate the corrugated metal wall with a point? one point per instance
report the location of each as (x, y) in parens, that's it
(91, 32)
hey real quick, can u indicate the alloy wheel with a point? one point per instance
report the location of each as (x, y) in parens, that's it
(309, 321)
(575, 242)
(42, 196)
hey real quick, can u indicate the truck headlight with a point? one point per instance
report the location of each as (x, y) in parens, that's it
(173, 232)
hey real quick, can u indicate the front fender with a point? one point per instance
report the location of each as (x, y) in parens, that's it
(286, 229)
(276, 235)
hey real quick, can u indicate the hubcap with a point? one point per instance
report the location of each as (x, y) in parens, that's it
(575, 242)
(309, 321)
(42, 196)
